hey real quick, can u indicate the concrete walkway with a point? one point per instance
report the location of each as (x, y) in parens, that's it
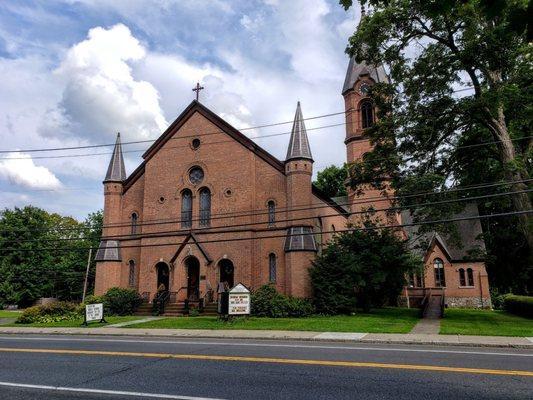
(427, 326)
(393, 338)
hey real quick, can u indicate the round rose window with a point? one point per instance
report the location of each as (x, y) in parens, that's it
(196, 175)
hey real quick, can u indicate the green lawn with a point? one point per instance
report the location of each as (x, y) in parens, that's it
(391, 320)
(77, 324)
(484, 322)
(9, 314)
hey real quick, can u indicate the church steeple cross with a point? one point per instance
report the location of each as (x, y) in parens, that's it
(197, 90)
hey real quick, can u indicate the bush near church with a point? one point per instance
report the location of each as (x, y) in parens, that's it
(117, 301)
(361, 269)
(267, 302)
(519, 305)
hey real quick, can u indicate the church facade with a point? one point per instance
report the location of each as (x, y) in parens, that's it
(208, 206)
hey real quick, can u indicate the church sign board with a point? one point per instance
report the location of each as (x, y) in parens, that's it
(239, 300)
(94, 312)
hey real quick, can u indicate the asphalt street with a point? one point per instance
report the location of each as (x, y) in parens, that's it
(78, 367)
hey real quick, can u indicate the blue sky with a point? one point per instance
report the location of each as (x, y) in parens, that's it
(76, 72)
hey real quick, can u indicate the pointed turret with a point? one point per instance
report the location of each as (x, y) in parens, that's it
(116, 172)
(299, 144)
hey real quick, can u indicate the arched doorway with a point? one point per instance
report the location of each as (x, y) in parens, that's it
(163, 276)
(226, 272)
(192, 266)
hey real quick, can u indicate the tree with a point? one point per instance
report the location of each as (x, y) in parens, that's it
(361, 268)
(460, 71)
(332, 180)
(43, 254)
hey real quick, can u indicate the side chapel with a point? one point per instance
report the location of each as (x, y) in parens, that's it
(208, 205)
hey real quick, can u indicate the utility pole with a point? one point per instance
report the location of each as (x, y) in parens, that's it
(87, 275)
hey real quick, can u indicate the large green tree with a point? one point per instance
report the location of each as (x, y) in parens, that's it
(460, 72)
(361, 269)
(332, 180)
(43, 254)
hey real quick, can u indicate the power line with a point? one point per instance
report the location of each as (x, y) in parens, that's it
(366, 228)
(279, 210)
(212, 230)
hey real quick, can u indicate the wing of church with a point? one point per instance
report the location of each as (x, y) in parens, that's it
(209, 208)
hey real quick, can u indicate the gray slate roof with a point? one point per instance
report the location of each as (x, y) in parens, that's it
(300, 238)
(116, 172)
(109, 250)
(299, 144)
(469, 234)
(356, 70)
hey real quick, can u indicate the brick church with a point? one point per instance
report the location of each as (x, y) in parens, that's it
(207, 205)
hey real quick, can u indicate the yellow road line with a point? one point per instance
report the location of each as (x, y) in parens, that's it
(274, 361)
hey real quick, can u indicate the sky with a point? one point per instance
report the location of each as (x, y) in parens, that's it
(76, 72)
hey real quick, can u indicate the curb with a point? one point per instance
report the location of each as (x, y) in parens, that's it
(338, 337)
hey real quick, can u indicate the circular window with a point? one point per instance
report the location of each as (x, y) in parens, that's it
(161, 199)
(196, 175)
(195, 143)
(228, 192)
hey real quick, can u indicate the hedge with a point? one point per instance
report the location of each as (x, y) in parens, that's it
(267, 302)
(519, 305)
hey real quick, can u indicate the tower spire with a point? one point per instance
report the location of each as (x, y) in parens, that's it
(299, 144)
(116, 172)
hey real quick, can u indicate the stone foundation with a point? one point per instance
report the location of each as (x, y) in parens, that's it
(468, 302)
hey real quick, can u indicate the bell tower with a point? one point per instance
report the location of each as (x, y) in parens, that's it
(361, 115)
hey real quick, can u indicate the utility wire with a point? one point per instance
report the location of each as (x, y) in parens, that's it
(366, 228)
(279, 210)
(222, 229)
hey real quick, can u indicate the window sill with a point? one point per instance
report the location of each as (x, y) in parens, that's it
(466, 287)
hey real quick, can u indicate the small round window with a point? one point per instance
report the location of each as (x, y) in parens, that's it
(195, 143)
(196, 175)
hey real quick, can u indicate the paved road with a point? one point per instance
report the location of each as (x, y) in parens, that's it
(76, 367)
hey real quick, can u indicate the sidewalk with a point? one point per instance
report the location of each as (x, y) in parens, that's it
(353, 337)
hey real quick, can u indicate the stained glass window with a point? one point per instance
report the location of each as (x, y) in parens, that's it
(134, 218)
(271, 212)
(186, 209)
(205, 207)
(131, 280)
(272, 267)
(196, 175)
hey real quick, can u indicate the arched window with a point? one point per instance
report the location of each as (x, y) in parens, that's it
(272, 267)
(440, 280)
(271, 213)
(462, 279)
(186, 208)
(470, 275)
(131, 280)
(134, 218)
(205, 207)
(367, 114)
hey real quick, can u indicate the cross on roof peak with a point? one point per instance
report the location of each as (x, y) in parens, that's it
(197, 89)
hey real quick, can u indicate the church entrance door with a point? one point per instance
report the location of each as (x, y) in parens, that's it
(193, 278)
(226, 272)
(162, 275)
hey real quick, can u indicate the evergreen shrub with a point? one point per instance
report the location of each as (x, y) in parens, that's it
(519, 305)
(53, 312)
(267, 302)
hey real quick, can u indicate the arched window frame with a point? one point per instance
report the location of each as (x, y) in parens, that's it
(131, 273)
(462, 277)
(367, 113)
(205, 206)
(440, 277)
(271, 205)
(272, 267)
(470, 276)
(134, 220)
(186, 208)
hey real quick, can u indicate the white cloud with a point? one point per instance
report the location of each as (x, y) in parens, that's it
(19, 169)
(101, 97)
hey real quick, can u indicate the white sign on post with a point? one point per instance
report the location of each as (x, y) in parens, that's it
(94, 312)
(239, 300)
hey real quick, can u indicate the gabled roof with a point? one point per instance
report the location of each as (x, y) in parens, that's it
(299, 143)
(225, 127)
(357, 70)
(116, 172)
(188, 238)
(469, 234)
